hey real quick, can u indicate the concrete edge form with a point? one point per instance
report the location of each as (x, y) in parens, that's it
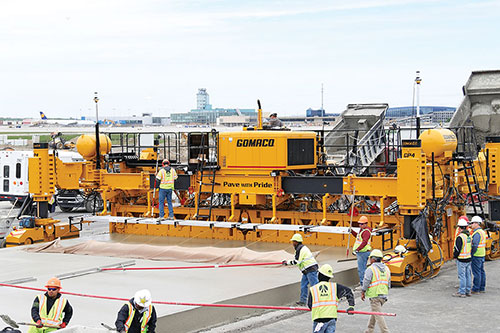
(202, 317)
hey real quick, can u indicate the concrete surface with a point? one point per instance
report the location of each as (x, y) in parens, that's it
(422, 307)
(276, 285)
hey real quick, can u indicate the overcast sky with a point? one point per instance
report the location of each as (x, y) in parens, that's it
(152, 56)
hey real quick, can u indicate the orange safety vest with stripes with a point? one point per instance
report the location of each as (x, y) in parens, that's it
(379, 286)
(55, 315)
(359, 240)
(324, 300)
(146, 316)
(167, 179)
(465, 252)
(481, 248)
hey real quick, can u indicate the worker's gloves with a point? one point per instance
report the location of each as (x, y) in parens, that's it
(63, 325)
(284, 263)
(349, 310)
(39, 323)
(290, 263)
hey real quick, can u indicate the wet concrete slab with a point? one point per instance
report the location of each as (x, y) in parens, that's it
(244, 285)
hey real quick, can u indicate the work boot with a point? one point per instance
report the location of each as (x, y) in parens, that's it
(300, 303)
(474, 292)
(482, 291)
(170, 218)
(458, 295)
(468, 295)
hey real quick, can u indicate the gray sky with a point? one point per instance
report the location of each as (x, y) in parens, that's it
(152, 56)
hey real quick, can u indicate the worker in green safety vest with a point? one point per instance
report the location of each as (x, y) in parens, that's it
(138, 315)
(167, 177)
(324, 299)
(50, 311)
(479, 237)
(307, 264)
(376, 285)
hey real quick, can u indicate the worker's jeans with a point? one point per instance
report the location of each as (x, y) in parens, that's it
(328, 327)
(362, 259)
(310, 278)
(164, 193)
(464, 277)
(479, 274)
(376, 306)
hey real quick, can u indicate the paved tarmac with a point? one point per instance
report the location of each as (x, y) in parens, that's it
(422, 307)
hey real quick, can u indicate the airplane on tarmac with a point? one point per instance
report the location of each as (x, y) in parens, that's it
(65, 122)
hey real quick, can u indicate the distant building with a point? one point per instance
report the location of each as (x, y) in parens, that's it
(204, 114)
(409, 111)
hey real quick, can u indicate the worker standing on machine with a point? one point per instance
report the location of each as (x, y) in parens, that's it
(462, 252)
(478, 252)
(50, 309)
(274, 121)
(376, 284)
(362, 246)
(323, 301)
(306, 263)
(167, 177)
(138, 315)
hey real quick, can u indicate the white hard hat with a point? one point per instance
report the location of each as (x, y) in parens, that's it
(462, 223)
(476, 219)
(400, 249)
(142, 298)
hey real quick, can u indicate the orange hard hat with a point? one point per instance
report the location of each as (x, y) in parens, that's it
(363, 219)
(54, 282)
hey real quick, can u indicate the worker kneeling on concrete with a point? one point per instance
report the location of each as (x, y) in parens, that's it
(376, 287)
(50, 311)
(138, 315)
(324, 300)
(306, 263)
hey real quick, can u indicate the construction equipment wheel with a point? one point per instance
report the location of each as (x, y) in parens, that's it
(28, 241)
(90, 206)
(66, 209)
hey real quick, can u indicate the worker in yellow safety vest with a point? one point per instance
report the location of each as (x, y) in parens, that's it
(362, 246)
(324, 299)
(167, 177)
(50, 311)
(307, 264)
(376, 284)
(138, 315)
(462, 252)
(478, 251)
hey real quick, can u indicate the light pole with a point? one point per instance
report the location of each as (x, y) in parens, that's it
(97, 139)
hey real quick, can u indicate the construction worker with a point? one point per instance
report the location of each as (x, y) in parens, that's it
(50, 311)
(478, 252)
(462, 252)
(376, 284)
(362, 246)
(137, 315)
(324, 299)
(167, 177)
(458, 230)
(306, 263)
(274, 121)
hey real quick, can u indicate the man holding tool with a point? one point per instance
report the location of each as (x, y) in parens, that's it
(50, 311)
(362, 246)
(167, 177)
(324, 299)
(138, 315)
(306, 263)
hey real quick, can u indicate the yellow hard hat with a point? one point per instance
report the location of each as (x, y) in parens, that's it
(297, 238)
(326, 270)
(376, 254)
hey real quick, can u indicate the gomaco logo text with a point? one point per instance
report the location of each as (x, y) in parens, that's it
(255, 143)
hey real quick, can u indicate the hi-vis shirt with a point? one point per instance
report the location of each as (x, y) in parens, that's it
(167, 179)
